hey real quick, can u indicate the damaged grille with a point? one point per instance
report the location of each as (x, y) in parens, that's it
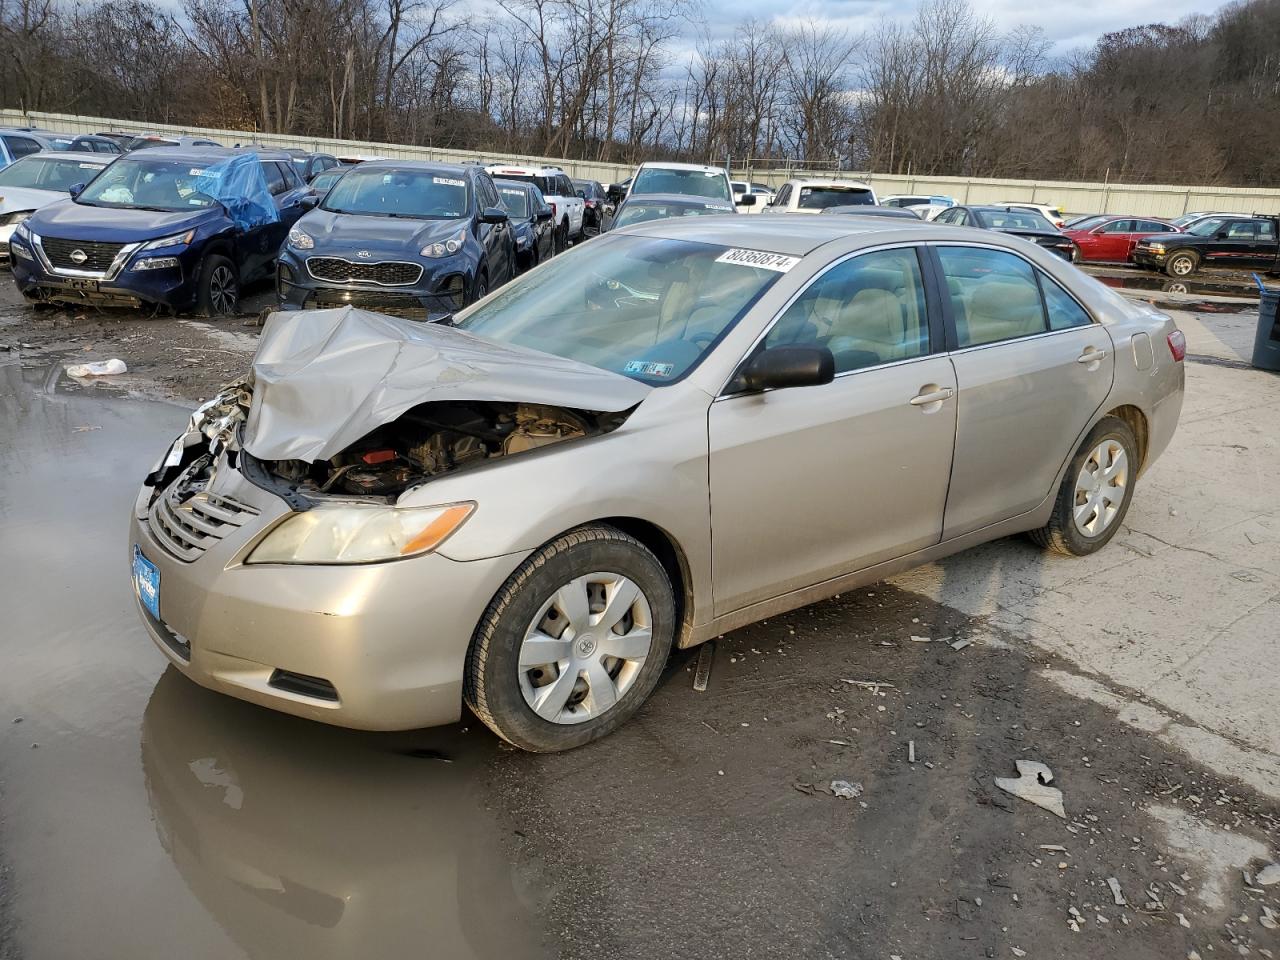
(388, 273)
(187, 528)
(98, 257)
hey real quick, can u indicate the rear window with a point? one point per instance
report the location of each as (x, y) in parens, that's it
(546, 184)
(819, 198)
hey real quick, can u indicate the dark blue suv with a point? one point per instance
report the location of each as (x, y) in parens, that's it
(178, 227)
(400, 235)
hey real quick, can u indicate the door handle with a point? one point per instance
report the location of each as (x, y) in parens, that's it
(1091, 355)
(932, 396)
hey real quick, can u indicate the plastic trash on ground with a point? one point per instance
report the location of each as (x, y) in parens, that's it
(99, 368)
(1031, 785)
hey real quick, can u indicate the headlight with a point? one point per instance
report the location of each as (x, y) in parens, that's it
(349, 533)
(447, 247)
(522, 241)
(1156, 247)
(300, 241)
(177, 240)
(22, 232)
(17, 216)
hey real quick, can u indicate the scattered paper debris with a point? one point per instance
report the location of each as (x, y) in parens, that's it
(1182, 919)
(846, 790)
(961, 643)
(1053, 847)
(868, 684)
(1268, 919)
(1017, 953)
(1116, 895)
(915, 639)
(1030, 785)
(1268, 875)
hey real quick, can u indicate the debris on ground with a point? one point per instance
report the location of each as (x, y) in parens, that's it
(911, 751)
(915, 639)
(1268, 919)
(1268, 875)
(702, 673)
(961, 643)
(1116, 895)
(1031, 785)
(99, 368)
(846, 790)
(872, 685)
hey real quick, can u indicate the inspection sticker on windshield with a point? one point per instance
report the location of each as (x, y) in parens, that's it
(759, 258)
(647, 368)
(446, 182)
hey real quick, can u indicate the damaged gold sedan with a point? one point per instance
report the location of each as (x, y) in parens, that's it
(673, 431)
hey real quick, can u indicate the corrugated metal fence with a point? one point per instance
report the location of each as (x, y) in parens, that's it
(1159, 200)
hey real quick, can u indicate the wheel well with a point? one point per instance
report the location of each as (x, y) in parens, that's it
(673, 562)
(1137, 422)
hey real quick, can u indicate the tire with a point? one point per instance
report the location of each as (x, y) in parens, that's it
(1182, 263)
(1101, 517)
(562, 238)
(218, 288)
(599, 692)
(481, 288)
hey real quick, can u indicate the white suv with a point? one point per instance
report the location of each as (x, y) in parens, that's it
(557, 189)
(813, 195)
(1053, 214)
(684, 179)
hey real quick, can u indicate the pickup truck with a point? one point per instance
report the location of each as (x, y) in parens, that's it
(558, 190)
(1245, 243)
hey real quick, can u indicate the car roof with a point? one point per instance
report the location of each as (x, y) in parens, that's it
(452, 169)
(209, 154)
(522, 169)
(514, 185)
(793, 236)
(83, 156)
(687, 199)
(1003, 207)
(663, 165)
(830, 182)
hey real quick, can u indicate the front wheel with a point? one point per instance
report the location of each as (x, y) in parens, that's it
(573, 643)
(1181, 263)
(218, 290)
(1095, 492)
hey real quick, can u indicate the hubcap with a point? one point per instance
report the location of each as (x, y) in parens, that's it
(1100, 488)
(585, 647)
(1182, 266)
(222, 291)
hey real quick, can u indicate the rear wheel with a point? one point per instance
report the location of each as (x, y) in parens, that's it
(1181, 263)
(562, 238)
(1095, 491)
(573, 643)
(218, 290)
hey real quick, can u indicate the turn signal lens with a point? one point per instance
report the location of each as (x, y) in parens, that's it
(439, 528)
(1178, 345)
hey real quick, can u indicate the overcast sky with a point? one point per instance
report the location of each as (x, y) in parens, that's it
(1068, 24)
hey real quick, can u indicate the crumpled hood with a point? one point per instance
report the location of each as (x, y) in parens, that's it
(27, 198)
(322, 379)
(342, 232)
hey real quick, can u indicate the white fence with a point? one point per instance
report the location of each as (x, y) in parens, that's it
(1158, 200)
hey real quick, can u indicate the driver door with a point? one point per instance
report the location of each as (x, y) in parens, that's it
(496, 237)
(810, 483)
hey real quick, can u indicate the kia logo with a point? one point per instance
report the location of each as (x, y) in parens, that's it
(79, 256)
(364, 254)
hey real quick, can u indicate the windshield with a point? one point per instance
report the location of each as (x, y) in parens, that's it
(515, 202)
(418, 194)
(649, 308)
(46, 173)
(819, 198)
(1016, 220)
(150, 184)
(640, 211)
(690, 183)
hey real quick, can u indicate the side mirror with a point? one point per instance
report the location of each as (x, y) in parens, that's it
(309, 201)
(493, 215)
(1222, 234)
(780, 367)
(76, 189)
(545, 213)
(747, 200)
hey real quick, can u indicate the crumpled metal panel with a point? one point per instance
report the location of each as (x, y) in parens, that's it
(322, 379)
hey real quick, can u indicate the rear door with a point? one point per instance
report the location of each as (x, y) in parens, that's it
(1236, 244)
(813, 482)
(1032, 368)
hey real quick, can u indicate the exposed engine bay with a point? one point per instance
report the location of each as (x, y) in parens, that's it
(436, 438)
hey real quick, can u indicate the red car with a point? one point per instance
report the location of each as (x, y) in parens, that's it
(1112, 239)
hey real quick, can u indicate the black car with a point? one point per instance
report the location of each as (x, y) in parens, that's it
(641, 208)
(1018, 221)
(184, 228)
(310, 165)
(1248, 243)
(531, 222)
(873, 210)
(400, 235)
(597, 203)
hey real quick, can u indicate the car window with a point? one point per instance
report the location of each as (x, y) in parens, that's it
(867, 310)
(20, 146)
(514, 200)
(1207, 227)
(783, 197)
(1063, 310)
(488, 192)
(1266, 230)
(1119, 226)
(1242, 230)
(994, 295)
(276, 182)
(48, 173)
(291, 175)
(1021, 219)
(819, 198)
(959, 217)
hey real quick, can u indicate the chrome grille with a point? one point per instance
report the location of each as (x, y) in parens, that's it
(386, 273)
(187, 528)
(98, 257)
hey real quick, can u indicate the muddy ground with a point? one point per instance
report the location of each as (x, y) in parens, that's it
(141, 816)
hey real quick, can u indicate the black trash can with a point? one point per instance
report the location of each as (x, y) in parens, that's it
(1266, 342)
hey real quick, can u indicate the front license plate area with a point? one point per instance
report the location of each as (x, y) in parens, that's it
(90, 285)
(146, 582)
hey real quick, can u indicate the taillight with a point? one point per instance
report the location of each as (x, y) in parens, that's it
(1178, 345)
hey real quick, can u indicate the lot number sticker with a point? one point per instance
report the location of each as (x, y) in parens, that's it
(759, 258)
(446, 182)
(647, 368)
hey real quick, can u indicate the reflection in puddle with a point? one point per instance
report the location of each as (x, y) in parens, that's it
(1204, 287)
(308, 841)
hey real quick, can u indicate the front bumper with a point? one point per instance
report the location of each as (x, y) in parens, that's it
(173, 287)
(6, 232)
(389, 638)
(1149, 258)
(443, 288)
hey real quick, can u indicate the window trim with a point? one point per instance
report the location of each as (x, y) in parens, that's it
(952, 337)
(933, 318)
